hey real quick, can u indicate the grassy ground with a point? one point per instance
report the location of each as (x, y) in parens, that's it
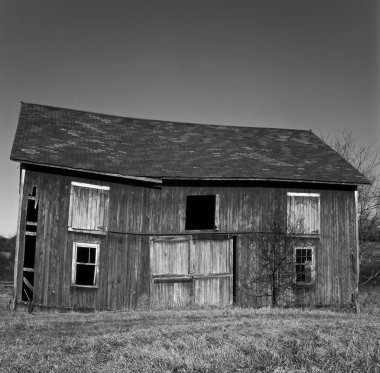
(193, 340)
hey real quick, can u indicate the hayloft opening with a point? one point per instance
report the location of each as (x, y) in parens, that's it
(200, 212)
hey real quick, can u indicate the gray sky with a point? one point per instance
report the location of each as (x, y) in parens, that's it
(309, 64)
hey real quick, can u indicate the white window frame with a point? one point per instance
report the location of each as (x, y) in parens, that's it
(92, 186)
(74, 263)
(312, 265)
(313, 195)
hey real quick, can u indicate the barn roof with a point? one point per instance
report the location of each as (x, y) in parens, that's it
(122, 146)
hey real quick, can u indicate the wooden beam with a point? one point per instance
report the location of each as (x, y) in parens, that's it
(16, 263)
(28, 284)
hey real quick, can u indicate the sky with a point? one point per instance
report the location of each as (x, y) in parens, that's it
(301, 64)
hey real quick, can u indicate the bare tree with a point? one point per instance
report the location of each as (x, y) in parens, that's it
(284, 258)
(366, 158)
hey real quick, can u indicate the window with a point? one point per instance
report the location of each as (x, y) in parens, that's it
(303, 213)
(202, 212)
(304, 262)
(85, 265)
(88, 207)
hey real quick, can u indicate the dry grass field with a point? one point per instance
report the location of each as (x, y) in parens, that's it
(192, 340)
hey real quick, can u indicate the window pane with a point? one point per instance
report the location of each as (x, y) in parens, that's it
(298, 256)
(85, 275)
(82, 254)
(92, 254)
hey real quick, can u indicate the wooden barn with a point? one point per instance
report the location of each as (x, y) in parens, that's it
(116, 210)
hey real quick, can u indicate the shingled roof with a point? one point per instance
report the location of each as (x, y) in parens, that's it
(110, 144)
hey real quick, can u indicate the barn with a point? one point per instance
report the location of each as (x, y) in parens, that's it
(114, 210)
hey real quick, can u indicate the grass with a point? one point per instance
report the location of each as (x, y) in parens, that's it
(191, 340)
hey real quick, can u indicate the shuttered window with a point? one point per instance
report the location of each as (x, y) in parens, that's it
(303, 213)
(88, 207)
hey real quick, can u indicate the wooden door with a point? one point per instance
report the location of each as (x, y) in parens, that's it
(187, 270)
(212, 269)
(169, 265)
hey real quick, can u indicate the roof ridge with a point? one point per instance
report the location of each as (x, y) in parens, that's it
(166, 121)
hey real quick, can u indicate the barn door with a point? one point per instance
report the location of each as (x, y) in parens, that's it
(169, 266)
(211, 263)
(197, 270)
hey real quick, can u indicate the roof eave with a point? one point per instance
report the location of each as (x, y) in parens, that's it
(159, 180)
(266, 179)
(128, 177)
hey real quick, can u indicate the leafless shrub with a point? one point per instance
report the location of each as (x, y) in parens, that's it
(280, 272)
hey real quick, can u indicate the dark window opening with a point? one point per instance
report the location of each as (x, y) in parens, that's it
(86, 254)
(85, 275)
(200, 212)
(304, 258)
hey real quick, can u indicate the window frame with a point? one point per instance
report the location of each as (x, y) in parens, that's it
(216, 223)
(312, 265)
(74, 271)
(303, 194)
(99, 230)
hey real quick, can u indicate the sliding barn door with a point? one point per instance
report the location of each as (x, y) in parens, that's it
(187, 270)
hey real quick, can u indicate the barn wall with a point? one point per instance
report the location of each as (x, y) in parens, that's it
(137, 212)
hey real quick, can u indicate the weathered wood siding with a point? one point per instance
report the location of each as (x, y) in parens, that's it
(137, 212)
